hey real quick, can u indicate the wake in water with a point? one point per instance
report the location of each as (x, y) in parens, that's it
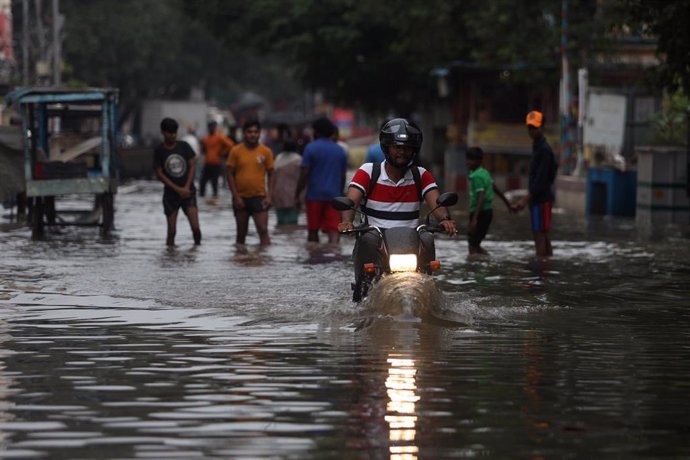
(407, 295)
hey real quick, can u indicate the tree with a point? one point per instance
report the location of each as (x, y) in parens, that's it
(379, 55)
(668, 22)
(144, 48)
(370, 54)
(375, 55)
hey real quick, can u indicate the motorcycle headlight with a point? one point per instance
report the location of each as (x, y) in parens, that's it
(403, 262)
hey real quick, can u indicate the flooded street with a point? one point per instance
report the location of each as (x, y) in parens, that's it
(121, 348)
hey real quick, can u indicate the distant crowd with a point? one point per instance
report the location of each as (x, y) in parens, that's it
(309, 170)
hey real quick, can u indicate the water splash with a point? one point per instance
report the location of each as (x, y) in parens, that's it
(406, 294)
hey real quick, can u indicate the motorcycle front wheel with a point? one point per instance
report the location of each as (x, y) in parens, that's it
(360, 288)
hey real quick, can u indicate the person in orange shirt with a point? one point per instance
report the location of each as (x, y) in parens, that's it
(215, 148)
(248, 165)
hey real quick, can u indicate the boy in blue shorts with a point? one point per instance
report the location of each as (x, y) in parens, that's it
(542, 173)
(482, 191)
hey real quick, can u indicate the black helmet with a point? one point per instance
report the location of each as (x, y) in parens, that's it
(400, 131)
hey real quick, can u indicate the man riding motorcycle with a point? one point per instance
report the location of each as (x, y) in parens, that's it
(393, 198)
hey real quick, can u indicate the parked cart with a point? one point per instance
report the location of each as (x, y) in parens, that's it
(69, 149)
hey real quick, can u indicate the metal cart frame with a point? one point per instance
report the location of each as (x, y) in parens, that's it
(42, 110)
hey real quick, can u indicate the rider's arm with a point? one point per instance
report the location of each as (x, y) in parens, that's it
(444, 218)
(347, 217)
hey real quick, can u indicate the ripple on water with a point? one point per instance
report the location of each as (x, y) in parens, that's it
(216, 351)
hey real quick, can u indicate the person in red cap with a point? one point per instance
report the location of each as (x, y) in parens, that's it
(542, 173)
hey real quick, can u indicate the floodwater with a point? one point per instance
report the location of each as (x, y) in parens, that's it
(120, 348)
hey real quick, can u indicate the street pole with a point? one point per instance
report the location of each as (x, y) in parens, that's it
(565, 108)
(582, 83)
(687, 152)
(25, 42)
(57, 45)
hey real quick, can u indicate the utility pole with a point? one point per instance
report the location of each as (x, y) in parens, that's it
(582, 84)
(25, 43)
(42, 70)
(57, 44)
(687, 152)
(565, 96)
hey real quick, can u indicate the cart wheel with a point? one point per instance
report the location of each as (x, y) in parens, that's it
(37, 224)
(49, 210)
(108, 209)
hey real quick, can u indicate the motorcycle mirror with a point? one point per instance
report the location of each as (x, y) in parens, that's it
(447, 199)
(342, 203)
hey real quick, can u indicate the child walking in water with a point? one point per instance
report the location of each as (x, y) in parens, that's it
(482, 190)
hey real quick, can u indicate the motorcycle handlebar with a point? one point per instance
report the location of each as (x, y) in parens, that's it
(367, 228)
(362, 229)
(431, 228)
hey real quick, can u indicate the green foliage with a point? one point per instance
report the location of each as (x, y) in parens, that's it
(671, 123)
(145, 48)
(668, 22)
(379, 55)
(372, 54)
(369, 54)
(525, 39)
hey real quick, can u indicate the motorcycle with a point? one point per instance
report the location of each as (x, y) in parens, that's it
(401, 249)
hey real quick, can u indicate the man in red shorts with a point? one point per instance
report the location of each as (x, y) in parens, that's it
(324, 165)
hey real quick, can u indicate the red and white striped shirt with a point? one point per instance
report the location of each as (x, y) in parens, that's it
(392, 204)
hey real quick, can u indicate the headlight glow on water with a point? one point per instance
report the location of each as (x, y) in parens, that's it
(403, 262)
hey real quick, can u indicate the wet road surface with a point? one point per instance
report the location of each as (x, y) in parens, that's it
(121, 348)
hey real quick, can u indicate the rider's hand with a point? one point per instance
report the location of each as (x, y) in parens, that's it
(238, 202)
(344, 226)
(449, 227)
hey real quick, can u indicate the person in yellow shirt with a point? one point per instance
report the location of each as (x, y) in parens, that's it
(216, 146)
(248, 167)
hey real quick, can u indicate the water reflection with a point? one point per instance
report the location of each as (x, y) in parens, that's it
(175, 256)
(259, 352)
(533, 365)
(6, 382)
(251, 256)
(402, 389)
(401, 414)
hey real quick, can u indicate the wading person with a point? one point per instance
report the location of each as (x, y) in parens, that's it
(324, 166)
(249, 164)
(174, 164)
(542, 173)
(393, 191)
(286, 172)
(215, 148)
(482, 191)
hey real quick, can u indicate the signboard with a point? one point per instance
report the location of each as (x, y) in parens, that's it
(344, 119)
(604, 126)
(7, 60)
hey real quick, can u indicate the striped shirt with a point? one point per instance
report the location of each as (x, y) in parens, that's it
(392, 204)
